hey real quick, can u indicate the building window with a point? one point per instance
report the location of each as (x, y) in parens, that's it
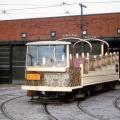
(23, 35)
(118, 31)
(84, 32)
(53, 35)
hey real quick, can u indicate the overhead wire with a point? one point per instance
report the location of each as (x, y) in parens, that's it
(6, 11)
(32, 8)
(64, 2)
(57, 5)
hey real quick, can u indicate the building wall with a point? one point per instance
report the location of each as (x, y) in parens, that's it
(105, 25)
(39, 28)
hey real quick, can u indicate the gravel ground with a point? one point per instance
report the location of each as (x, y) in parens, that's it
(100, 106)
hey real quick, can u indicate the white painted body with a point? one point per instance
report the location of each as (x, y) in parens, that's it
(102, 75)
(98, 75)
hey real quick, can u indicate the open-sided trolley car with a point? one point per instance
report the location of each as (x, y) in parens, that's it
(69, 67)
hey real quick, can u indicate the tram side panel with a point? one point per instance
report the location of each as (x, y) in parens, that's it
(96, 71)
(105, 74)
(102, 70)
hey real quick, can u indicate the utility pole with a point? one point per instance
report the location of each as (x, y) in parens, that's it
(81, 19)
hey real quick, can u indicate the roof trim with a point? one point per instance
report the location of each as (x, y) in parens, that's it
(48, 42)
(54, 17)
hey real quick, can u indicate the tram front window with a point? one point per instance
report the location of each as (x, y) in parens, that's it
(47, 56)
(32, 55)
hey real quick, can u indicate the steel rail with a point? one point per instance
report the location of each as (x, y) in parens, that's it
(88, 113)
(47, 111)
(115, 103)
(3, 110)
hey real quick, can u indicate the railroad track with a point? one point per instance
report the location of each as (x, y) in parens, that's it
(115, 103)
(45, 106)
(88, 113)
(48, 113)
(45, 103)
(3, 108)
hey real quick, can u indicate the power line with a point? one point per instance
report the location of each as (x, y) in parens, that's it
(57, 5)
(64, 2)
(60, 5)
(32, 8)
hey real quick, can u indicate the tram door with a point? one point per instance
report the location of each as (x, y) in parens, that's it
(5, 64)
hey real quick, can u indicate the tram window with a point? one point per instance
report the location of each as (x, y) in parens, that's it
(52, 55)
(45, 55)
(32, 56)
(60, 55)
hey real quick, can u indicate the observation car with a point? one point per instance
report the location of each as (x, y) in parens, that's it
(69, 68)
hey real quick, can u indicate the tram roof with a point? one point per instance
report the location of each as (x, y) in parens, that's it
(49, 43)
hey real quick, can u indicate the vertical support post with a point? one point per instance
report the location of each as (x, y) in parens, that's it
(87, 59)
(83, 55)
(81, 24)
(68, 56)
(76, 55)
(81, 20)
(81, 72)
(102, 49)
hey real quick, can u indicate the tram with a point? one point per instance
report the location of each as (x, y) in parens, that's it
(69, 68)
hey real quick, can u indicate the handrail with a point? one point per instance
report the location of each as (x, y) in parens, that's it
(82, 40)
(100, 40)
(78, 41)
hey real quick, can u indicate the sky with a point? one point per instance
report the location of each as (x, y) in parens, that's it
(22, 9)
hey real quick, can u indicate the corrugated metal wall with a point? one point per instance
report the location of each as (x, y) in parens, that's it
(12, 63)
(5, 64)
(18, 62)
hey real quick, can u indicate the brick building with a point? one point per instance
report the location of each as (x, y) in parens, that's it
(98, 25)
(15, 33)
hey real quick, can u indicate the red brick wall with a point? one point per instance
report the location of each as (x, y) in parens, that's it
(39, 28)
(103, 25)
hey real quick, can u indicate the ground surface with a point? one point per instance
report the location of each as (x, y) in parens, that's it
(15, 106)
